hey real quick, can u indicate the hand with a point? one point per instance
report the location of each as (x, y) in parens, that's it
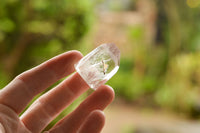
(86, 118)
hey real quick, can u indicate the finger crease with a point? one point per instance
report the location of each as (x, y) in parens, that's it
(47, 108)
(24, 86)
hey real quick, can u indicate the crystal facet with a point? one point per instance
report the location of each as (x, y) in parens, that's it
(99, 65)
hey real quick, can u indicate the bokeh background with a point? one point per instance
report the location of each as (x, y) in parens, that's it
(158, 84)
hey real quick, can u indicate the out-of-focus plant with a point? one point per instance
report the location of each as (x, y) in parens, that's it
(179, 30)
(181, 86)
(165, 72)
(35, 30)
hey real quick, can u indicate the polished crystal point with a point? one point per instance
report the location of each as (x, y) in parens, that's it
(99, 65)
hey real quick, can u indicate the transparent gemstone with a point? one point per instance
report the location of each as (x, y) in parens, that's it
(97, 67)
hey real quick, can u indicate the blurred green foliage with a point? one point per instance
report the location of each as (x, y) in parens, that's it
(164, 73)
(35, 30)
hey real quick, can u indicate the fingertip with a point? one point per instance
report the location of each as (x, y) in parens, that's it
(93, 123)
(67, 61)
(98, 113)
(112, 90)
(76, 54)
(107, 90)
(98, 116)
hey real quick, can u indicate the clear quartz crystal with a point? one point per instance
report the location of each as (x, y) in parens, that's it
(100, 65)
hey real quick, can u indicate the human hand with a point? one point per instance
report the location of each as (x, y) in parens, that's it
(86, 118)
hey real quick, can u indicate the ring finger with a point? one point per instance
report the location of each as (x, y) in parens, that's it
(98, 100)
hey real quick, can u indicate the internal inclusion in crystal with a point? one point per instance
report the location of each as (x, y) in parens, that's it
(100, 65)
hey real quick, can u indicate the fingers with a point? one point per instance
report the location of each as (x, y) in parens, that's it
(48, 106)
(93, 123)
(99, 99)
(24, 87)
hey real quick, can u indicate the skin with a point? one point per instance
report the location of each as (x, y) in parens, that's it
(86, 118)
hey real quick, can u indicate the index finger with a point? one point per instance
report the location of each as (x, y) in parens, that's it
(24, 87)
